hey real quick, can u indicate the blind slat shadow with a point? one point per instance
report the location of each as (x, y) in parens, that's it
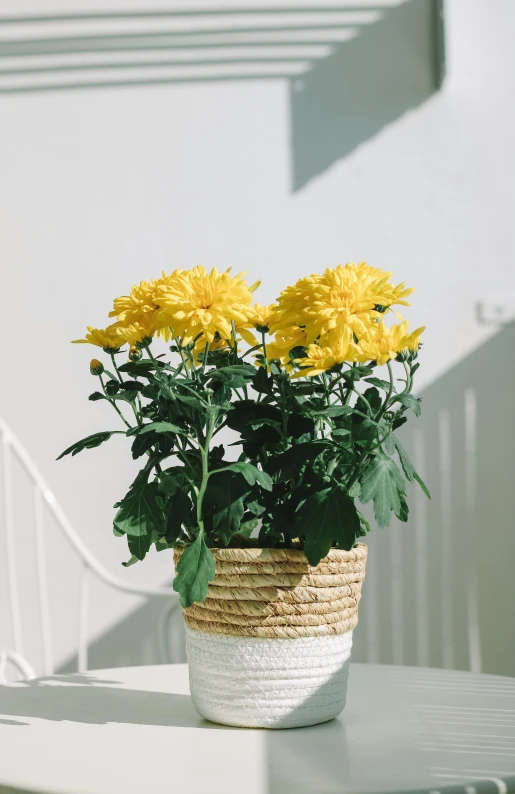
(104, 16)
(375, 72)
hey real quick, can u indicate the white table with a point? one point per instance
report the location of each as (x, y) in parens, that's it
(135, 731)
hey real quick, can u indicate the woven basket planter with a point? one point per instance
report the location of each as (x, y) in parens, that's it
(270, 646)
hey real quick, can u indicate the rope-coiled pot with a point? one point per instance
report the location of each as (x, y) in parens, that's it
(270, 645)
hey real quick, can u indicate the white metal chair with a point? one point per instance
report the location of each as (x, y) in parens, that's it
(43, 498)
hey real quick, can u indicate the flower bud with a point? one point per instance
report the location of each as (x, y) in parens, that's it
(135, 353)
(96, 367)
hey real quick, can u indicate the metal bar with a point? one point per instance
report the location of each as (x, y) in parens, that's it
(371, 610)
(421, 556)
(18, 662)
(12, 572)
(82, 656)
(70, 533)
(44, 610)
(474, 639)
(397, 596)
(444, 438)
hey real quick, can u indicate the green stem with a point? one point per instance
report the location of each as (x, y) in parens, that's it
(204, 360)
(265, 359)
(204, 452)
(113, 403)
(235, 342)
(115, 367)
(389, 394)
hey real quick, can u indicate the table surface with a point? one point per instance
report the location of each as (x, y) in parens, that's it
(134, 730)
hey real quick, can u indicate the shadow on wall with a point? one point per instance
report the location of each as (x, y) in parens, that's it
(351, 69)
(151, 634)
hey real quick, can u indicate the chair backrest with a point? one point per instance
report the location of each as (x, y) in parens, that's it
(440, 589)
(13, 654)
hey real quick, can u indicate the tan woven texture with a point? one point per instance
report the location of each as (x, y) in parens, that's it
(276, 593)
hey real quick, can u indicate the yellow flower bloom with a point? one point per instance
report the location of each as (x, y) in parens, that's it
(283, 342)
(345, 296)
(202, 302)
(413, 340)
(320, 359)
(139, 331)
(142, 304)
(262, 316)
(107, 338)
(382, 344)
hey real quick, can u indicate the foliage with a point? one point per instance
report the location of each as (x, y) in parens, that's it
(312, 423)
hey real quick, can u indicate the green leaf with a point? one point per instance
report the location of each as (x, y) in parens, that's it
(193, 402)
(252, 474)
(365, 526)
(90, 442)
(300, 425)
(402, 515)
(133, 560)
(407, 465)
(356, 373)
(290, 463)
(382, 482)
(139, 545)
(247, 528)
(355, 489)
(333, 410)
(381, 384)
(157, 427)
(112, 387)
(180, 513)
(138, 369)
(256, 508)
(389, 444)
(235, 376)
(139, 512)
(195, 569)
(409, 401)
(142, 444)
(339, 432)
(263, 383)
(97, 395)
(327, 517)
(128, 396)
(422, 484)
(223, 501)
(131, 385)
(373, 398)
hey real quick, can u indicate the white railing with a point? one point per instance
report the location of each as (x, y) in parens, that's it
(42, 498)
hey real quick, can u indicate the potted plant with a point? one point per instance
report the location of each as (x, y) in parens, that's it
(258, 437)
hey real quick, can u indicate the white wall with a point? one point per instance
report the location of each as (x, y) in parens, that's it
(101, 188)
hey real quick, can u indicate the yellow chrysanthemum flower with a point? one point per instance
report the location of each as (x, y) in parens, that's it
(345, 296)
(202, 302)
(283, 342)
(263, 317)
(382, 344)
(142, 303)
(319, 359)
(106, 338)
(138, 332)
